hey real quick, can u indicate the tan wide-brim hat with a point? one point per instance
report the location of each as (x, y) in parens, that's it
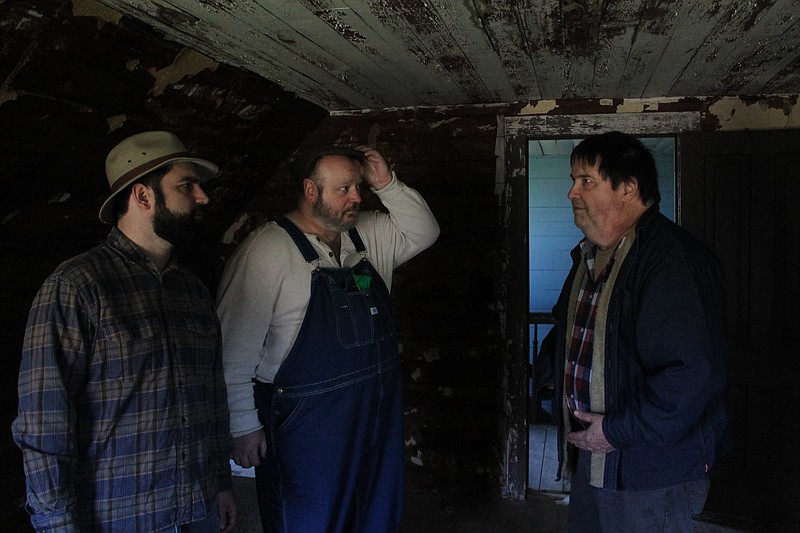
(142, 153)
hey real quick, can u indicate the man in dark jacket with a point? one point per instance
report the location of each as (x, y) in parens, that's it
(640, 351)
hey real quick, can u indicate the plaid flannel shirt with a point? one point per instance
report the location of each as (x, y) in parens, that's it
(123, 418)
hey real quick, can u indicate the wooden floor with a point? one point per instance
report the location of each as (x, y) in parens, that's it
(543, 460)
(545, 510)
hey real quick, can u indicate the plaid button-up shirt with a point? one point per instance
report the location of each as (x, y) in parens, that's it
(578, 372)
(123, 418)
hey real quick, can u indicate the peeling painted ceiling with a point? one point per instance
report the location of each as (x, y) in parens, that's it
(349, 55)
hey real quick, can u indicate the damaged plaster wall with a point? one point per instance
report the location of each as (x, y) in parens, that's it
(765, 113)
(187, 64)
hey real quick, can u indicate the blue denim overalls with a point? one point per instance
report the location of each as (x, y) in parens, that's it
(334, 416)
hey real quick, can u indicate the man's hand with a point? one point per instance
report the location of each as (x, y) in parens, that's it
(376, 170)
(592, 438)
(226, 505)
(248, 450)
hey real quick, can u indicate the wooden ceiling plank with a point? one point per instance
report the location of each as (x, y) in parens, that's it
(580, 24)
(647, 74)
(417, 27)
(331, 45)
(784, 82)
(504, 26)
(248, 46)
(475, 28)
(370, 54)
(544, 38)
(733, 32)
(696, 20)
(376, 53)
(624, 49)
(768, 59)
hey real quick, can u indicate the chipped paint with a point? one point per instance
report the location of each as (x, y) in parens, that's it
(736, 114)
(25, 22)
(431, 355)
(416, 374)
(441, 123)
(417, 459)
(372, 140)
(632, 106)
(334, 19)
(92, 8)
(511, 455)
(186, 63)
(116, 122)
(541, 107)
(7, 95)
(635, 105)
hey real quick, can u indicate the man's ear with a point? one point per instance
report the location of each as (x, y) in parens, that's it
(631, 188)
(310, 190)
(142, 196)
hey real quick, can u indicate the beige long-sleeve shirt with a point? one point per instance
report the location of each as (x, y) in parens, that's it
(266, 285)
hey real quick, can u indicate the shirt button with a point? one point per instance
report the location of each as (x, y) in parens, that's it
(330, 254)
(279, 391)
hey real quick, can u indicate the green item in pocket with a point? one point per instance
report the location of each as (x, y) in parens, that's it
(363, 281)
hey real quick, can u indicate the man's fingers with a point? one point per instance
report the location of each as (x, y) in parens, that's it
(246, 461)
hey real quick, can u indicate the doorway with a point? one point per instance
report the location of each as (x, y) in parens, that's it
(736, 195)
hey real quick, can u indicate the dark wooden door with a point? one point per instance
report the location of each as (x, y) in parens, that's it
(740, 193)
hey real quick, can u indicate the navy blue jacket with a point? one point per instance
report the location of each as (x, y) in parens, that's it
(665, 360)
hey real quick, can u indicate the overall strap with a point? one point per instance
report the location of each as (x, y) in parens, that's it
(356, 238)
(299, 238)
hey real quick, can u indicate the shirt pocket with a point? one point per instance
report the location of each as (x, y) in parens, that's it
(127, 350)
(198, 345)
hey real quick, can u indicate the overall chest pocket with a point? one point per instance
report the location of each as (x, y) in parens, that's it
(362, 315)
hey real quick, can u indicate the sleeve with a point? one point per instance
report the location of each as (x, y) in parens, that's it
(52, 372)
(678, 339)
(245, 305)
(222, 445)
(409, 228)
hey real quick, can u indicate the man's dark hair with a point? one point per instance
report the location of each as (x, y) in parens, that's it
(621, 157)
(151, 179)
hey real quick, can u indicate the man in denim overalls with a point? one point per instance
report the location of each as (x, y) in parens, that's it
(311, 359)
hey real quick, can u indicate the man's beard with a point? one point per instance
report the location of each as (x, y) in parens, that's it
(330, 218)
(178, 229)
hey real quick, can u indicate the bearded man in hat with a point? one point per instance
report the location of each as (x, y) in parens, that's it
(123, 418)
(311, 358)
